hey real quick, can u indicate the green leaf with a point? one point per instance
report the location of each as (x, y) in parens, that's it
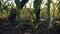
(37, 4)
(17, 3)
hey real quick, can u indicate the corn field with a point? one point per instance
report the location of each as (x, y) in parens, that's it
(29, 16)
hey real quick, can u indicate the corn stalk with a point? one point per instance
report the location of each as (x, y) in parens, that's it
(48, 12)
(19, 5)
(37, 4)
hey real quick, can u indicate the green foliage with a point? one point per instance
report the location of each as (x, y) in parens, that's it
(48, 12)
(59, 7)
(37, 4)
(27, 14)
(17, 4)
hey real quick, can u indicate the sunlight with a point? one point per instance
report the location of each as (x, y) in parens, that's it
(30, 3)
(54, 1)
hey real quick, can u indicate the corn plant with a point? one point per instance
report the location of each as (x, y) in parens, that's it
(54, 19)
(59, 7)
(3, 7)
(48, 11)
(19, 6)
(37, 4)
